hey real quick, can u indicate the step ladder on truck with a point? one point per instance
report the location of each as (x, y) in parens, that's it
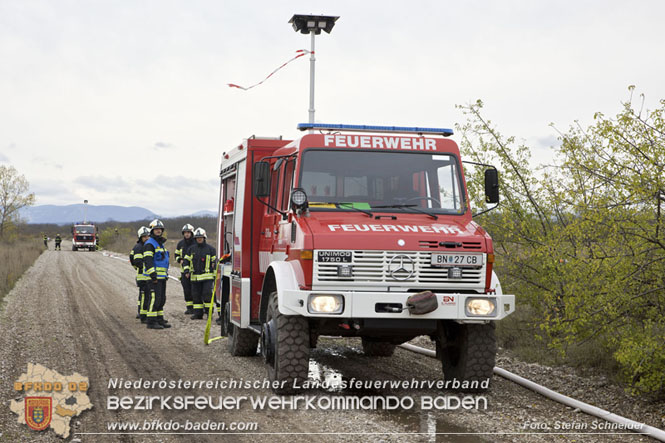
(356, 231)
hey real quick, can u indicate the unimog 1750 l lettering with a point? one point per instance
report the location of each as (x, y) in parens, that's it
(356, 231)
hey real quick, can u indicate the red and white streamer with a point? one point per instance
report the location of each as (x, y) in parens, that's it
(299, 53)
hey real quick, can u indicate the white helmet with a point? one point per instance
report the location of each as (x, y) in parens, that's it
(143, 231)
(156, 224)
(187, 227)
(200, 233)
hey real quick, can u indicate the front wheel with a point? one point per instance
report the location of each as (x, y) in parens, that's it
(468, 353)
(285, 343)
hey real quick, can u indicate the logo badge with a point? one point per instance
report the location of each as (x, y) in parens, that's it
(401, 267)
(38, 412)
(448, 300)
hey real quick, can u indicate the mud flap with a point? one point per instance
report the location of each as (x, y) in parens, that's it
(422, 303)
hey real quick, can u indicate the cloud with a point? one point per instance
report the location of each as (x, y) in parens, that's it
(177, 183)
(548, 141)
(3, 157)
(162, 146)
(50, 188)
(47, 163)
(104, 184)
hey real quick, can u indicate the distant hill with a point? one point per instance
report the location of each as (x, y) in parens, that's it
(204, 214)
(72, 213)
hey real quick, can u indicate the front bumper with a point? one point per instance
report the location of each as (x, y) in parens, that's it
(364, 305)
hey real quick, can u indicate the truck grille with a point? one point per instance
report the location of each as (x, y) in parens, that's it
(372, 268)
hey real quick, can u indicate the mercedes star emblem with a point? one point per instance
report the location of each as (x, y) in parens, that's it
(401, 267)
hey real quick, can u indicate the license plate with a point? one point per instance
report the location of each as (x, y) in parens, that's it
(334, 256)
(444, 259)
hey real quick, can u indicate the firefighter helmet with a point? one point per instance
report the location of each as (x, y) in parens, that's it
(187, 227)
(156, 224)
(200, 233)
(143, 231)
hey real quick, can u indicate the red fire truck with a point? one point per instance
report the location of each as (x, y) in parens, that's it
(356, 231)
(84, 236)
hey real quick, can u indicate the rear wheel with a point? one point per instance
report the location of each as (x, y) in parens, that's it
(373, 348)
(285, 344)
(242, 342)
(468, 353)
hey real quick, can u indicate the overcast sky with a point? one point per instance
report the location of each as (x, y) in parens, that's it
(125, 102)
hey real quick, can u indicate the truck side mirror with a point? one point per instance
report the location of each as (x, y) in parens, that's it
(491, 185)
(261, 179)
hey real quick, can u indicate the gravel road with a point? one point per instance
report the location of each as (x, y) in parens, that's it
(74, 312)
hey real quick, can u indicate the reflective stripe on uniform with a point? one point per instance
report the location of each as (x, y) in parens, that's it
(203, 277)
(150, 312)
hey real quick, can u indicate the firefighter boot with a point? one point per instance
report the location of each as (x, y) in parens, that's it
(198, 314)
(189, 311)
(164, 323)
(144, 319)
(152, 324)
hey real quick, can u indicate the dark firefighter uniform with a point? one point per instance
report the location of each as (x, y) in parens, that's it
(180, 250)
(58, 240)
(201, 263)
(136, 259)
(156, 265)
(45, 241)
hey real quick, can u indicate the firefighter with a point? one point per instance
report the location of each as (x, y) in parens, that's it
(156, 266)
(45, 241)
(181, 249)
(136, 259)
(58, 240)
(200, 265)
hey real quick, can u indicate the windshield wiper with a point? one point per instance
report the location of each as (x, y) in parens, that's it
(413, 207)
(348, 205)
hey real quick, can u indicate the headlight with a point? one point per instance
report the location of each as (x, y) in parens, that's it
(483, 307)
(298, 198)
(325, 304)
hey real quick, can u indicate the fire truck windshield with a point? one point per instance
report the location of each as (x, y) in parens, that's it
(382, 180)
(85, 229)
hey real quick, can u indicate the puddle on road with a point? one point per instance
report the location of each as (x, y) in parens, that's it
(330, 379)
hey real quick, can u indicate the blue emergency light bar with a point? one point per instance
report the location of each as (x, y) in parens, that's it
(371, 128)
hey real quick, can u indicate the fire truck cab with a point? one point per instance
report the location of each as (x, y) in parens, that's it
(356, 231)
(84, 236)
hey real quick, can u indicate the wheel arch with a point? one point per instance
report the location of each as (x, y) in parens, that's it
(280, 275)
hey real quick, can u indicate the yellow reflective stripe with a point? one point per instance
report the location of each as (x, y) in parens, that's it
(148, 253)
(197, 306)
(138, 255)
(150, 270)
(152, 313)
(189, 303)
(207, 268)
(206, 276)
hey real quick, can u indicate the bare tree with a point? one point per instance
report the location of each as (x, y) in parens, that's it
(14, 195)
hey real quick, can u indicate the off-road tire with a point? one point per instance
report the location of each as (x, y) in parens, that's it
(377, 348)
(469, 353)
(242, 342)
(292, 340)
